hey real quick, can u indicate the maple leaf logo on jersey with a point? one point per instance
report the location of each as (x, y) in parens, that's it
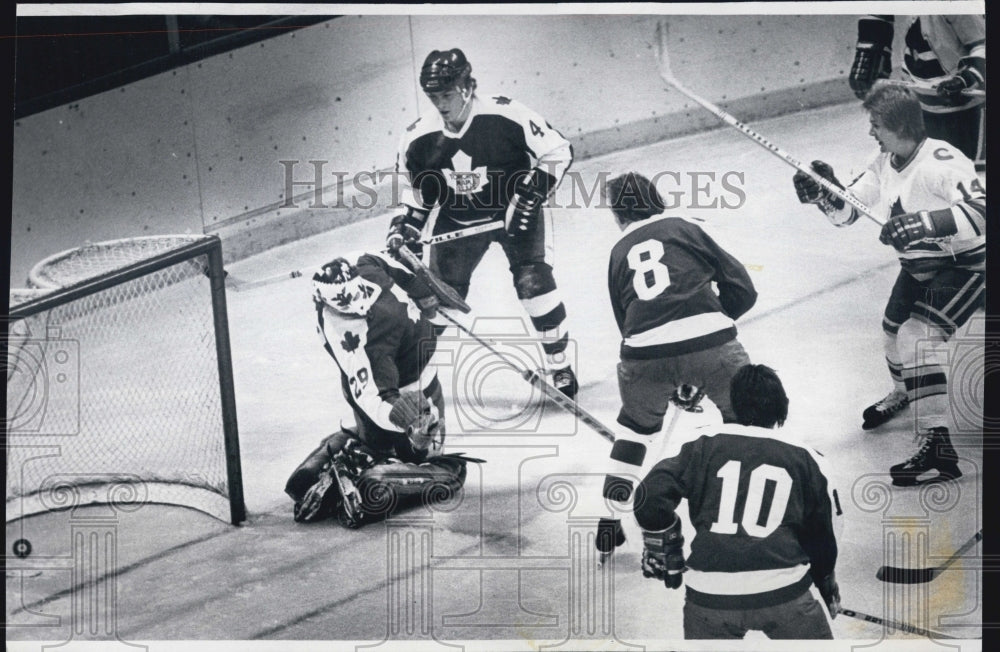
(350, 342)
(897, 208)
(501, 100)
(463, 179)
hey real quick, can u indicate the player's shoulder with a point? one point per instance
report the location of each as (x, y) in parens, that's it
(659, 227)
(504, 105)
(943, 153)
(422, 126)
(784, 443)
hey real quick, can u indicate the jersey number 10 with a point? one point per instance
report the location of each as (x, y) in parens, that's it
(753, 501)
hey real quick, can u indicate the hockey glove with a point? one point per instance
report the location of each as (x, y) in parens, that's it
(952, 87)
(428, 306)
(873, 56)
(903, 230)
(810, 192)
(663, 554)
(525, 206)
(406, 229)
(687, 397)
(412, 414)
(830, 592)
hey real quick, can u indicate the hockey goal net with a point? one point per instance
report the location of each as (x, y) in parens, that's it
(119, 381)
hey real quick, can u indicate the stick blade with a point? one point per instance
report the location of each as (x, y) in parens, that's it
(895, 575)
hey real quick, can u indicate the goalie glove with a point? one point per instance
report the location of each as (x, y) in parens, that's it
(903, 230)
(525, 207)
(811, 192)
(414, 415)
(663, 554)
(873, 56)
(406, 229)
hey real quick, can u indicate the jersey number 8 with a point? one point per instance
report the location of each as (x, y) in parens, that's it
(754, 499)
(651, 277)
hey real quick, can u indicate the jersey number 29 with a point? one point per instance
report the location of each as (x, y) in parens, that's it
(651, 277)
(753, 501)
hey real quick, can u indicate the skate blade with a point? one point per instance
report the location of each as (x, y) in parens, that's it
(350, 513)
(309, 508)
(940, 478)
(603, 558)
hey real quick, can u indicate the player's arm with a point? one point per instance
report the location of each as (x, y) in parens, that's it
(971, 68)
(407, 226)
(821, 527)
(736, 291)
(415, 287)
(656, 500)
(965, 218)
(865, 188)
(552, 154)
(616, 294)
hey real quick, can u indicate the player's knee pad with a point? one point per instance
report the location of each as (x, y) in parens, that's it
(533, 280)
(306, 473)
(385, 486)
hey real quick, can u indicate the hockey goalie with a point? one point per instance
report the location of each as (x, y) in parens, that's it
(374, 320)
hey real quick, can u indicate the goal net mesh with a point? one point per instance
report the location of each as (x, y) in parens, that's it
(114, 396)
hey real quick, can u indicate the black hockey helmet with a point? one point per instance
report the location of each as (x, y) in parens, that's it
(444, 69)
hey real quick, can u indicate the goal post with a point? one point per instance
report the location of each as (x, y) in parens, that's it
(119, 381)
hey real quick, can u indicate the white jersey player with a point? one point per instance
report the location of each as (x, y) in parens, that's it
(935, 211)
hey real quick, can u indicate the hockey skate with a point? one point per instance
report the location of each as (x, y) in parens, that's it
(936, 453)
(349, 512)
(884, 410)
(610, 536)
(565, 381)
(317, 502)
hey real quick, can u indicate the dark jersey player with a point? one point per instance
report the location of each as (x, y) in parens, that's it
(945, 58)
(479, 160)
(676, 329)
(763, 511)
(382, 341)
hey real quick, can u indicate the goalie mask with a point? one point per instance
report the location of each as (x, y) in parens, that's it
(339, 286)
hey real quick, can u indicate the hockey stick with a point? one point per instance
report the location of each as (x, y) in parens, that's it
(908, 83)
(447, 295)
(892, 624)
(920, 575)
(668, 76)
(532, 377)
(239, 285)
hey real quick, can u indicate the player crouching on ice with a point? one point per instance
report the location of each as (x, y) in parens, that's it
(935, 211)
(373, 318)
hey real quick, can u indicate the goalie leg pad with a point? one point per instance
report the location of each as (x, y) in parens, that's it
(308, 472)
(386, 486)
